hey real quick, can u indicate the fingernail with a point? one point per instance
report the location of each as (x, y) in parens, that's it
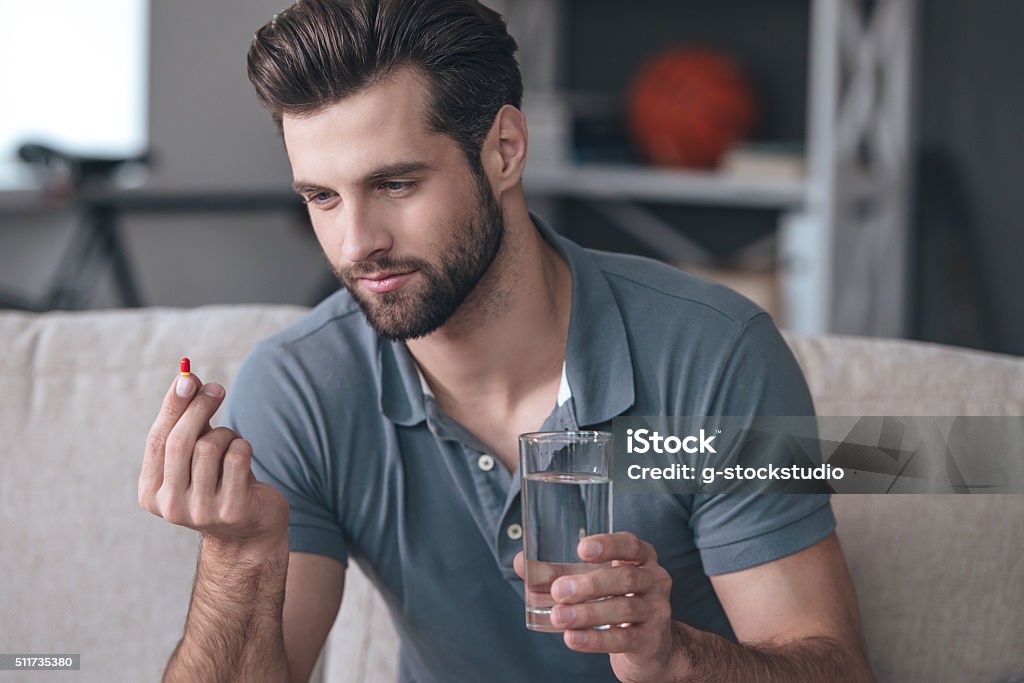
(184, 387)
(213, 389)
(577, 637)
(565, 614)
(563, 589)
(590, 549)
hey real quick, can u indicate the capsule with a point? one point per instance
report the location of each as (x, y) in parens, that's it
(186, 367)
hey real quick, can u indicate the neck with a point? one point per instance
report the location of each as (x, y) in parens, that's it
(509, 336)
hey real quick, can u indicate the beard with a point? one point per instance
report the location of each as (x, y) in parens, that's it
(412, 312)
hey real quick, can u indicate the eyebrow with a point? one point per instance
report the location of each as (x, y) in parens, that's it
(390, 171)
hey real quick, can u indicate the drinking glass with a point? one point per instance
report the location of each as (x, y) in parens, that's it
(566, 495)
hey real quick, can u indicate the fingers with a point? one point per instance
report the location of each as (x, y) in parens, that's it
(622, 546)
(176, 400)
(542, 573)
(601, 583)
(519, 564)
(181, 442)
(635, 623)
(612, 640)
(621, 607)
(207, 459)
(615, 611)
(237, 470)
(627, 551)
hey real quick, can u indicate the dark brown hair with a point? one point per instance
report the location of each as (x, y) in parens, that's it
(317, 52)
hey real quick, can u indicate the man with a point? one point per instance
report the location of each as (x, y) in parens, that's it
(384, 425)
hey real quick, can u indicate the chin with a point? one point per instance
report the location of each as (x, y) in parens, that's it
(404, 321)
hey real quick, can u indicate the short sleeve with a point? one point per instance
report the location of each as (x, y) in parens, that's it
(272, 407)
(759, 377)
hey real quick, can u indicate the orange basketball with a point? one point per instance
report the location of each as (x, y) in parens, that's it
(687, 106)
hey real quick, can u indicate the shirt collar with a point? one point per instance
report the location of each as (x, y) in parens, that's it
(564, 392)
(598, 371)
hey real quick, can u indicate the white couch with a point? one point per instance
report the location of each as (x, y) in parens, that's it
(85, 570)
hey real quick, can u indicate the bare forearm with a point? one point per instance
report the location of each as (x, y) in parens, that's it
(809, 660)
(233, 631)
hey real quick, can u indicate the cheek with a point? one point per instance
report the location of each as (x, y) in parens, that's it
(329, 239)
(454, 210)
(320, 230)
(425, 226)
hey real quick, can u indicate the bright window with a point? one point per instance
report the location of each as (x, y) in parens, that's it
(73, 75)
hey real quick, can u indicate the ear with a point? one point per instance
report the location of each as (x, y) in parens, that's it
(504, 149)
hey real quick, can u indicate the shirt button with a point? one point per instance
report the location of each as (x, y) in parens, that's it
(485, 462)
(514, 531)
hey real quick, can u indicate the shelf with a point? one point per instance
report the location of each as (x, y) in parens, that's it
(628, 182)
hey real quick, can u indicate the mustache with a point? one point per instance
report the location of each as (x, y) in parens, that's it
(384, 264)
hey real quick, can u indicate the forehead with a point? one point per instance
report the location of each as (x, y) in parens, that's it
(375, 126)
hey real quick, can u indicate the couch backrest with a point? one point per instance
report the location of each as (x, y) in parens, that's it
(84, 569)
(940, 578)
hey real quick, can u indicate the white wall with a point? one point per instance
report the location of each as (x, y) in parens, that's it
(204, 120)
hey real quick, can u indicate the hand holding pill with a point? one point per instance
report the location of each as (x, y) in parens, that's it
(198, 476)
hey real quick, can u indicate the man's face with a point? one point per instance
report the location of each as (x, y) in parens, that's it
(405, 224)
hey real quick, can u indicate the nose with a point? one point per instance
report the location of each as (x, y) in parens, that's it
(364, 236)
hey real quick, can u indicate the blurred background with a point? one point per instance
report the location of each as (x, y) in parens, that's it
(847, 164)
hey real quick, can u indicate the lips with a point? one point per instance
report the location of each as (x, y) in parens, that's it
(386, 283)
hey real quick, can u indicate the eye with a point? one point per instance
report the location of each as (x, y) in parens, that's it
(397, 187)
(318, 198)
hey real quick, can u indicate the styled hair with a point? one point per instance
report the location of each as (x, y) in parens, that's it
(317, 52)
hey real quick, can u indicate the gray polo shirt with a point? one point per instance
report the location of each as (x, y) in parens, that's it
(374, 470)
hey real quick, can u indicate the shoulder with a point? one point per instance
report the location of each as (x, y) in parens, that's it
(656, 291)
(697, 347)
(332, 331)
(337, 313)
(331, 346)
